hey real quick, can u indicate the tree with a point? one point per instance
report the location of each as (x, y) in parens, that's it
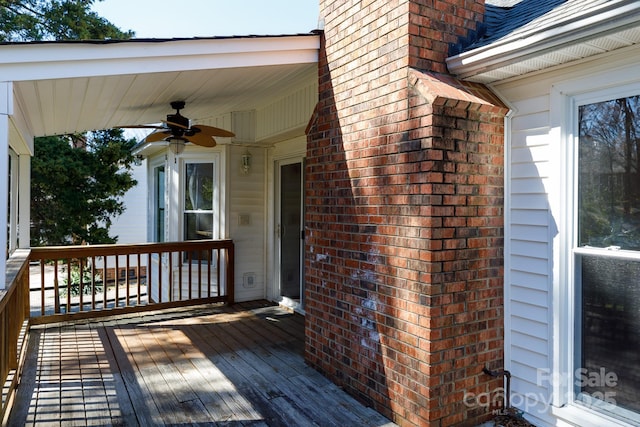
(77, 180)
(31, 20)
(76, 187)
(609, 156)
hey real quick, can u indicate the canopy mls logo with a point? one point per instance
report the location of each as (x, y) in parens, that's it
(595, 386)
(582, 378)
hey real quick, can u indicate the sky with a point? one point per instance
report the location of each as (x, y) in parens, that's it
(210, 18)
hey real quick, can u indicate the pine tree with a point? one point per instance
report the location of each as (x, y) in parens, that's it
(77, 180)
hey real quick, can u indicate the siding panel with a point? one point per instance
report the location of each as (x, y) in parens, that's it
(527, 248)
(529, 185)
(247, 222)
(527, 257)
(530, 233)
(532, 217)
(531, 281)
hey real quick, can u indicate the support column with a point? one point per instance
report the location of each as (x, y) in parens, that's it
(6, 104)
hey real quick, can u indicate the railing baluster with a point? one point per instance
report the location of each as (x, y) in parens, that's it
(126, 281)
(105, 284)
(149, 281)
(93, 283)
(230, 274)
(170, 276)
(56, 287)
(117, 278)
(159, 276)
(180, 256)
(199, 274)
(68, 310)
(138, 280)
(218, 271)
(42, 288)
(190, 265)
(80, 285)
(209, 256)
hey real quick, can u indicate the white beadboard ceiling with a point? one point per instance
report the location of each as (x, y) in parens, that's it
(73, 87)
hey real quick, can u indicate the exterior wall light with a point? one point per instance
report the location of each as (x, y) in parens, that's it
(246, 162)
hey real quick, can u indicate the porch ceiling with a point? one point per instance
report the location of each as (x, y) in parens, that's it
(74, 87)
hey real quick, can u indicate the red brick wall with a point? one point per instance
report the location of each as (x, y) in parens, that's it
(435, 25)
(403, 199)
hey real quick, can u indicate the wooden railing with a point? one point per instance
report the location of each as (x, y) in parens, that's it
(14, 312)
(52, 284)
(97, 280)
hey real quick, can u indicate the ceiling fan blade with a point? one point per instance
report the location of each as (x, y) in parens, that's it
(174, 124)
(141, 127)
(212, 131)
(201, 139)
(157, 136)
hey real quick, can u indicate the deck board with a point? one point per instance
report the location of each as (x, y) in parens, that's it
(207, 366)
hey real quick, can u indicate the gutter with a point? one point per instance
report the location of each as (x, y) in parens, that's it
(605, 19)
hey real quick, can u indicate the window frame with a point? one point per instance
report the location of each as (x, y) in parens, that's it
(565, 99)
(152, 220)
(159, 193)
(216, 188)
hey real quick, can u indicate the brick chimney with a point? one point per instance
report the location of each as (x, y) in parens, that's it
(436, 28)
(404, 205)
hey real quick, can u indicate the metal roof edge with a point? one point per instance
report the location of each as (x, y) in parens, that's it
(156, 40)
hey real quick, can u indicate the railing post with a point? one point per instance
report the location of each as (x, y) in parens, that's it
(230, 273)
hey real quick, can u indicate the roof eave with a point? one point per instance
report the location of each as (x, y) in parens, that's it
(32, 61)
(478, 64)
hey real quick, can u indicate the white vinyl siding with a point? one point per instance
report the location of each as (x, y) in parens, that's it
(527, 263)
(247, 222)
(130, 227)
(538, 299)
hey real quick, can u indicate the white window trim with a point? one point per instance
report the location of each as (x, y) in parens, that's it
(216, 206)
(152, 200)
(564, 101)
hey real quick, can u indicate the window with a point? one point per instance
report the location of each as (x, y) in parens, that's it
(200, 191)
(159, 214)
(606, 255)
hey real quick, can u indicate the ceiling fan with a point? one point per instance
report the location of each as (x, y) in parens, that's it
(179, 127)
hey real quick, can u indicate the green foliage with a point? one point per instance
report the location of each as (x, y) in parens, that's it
(74, 286)
(29, 20)
(609, 173)
(77, 191)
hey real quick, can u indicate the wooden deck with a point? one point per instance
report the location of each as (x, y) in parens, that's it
(215, 365)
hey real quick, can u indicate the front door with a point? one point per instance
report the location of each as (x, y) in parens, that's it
(289, 230)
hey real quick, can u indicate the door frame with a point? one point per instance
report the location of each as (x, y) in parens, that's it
(275, 292)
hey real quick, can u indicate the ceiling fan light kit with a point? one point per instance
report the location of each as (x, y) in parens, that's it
(176, 146)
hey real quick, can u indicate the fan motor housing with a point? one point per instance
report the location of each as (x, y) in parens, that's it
(179, 120)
